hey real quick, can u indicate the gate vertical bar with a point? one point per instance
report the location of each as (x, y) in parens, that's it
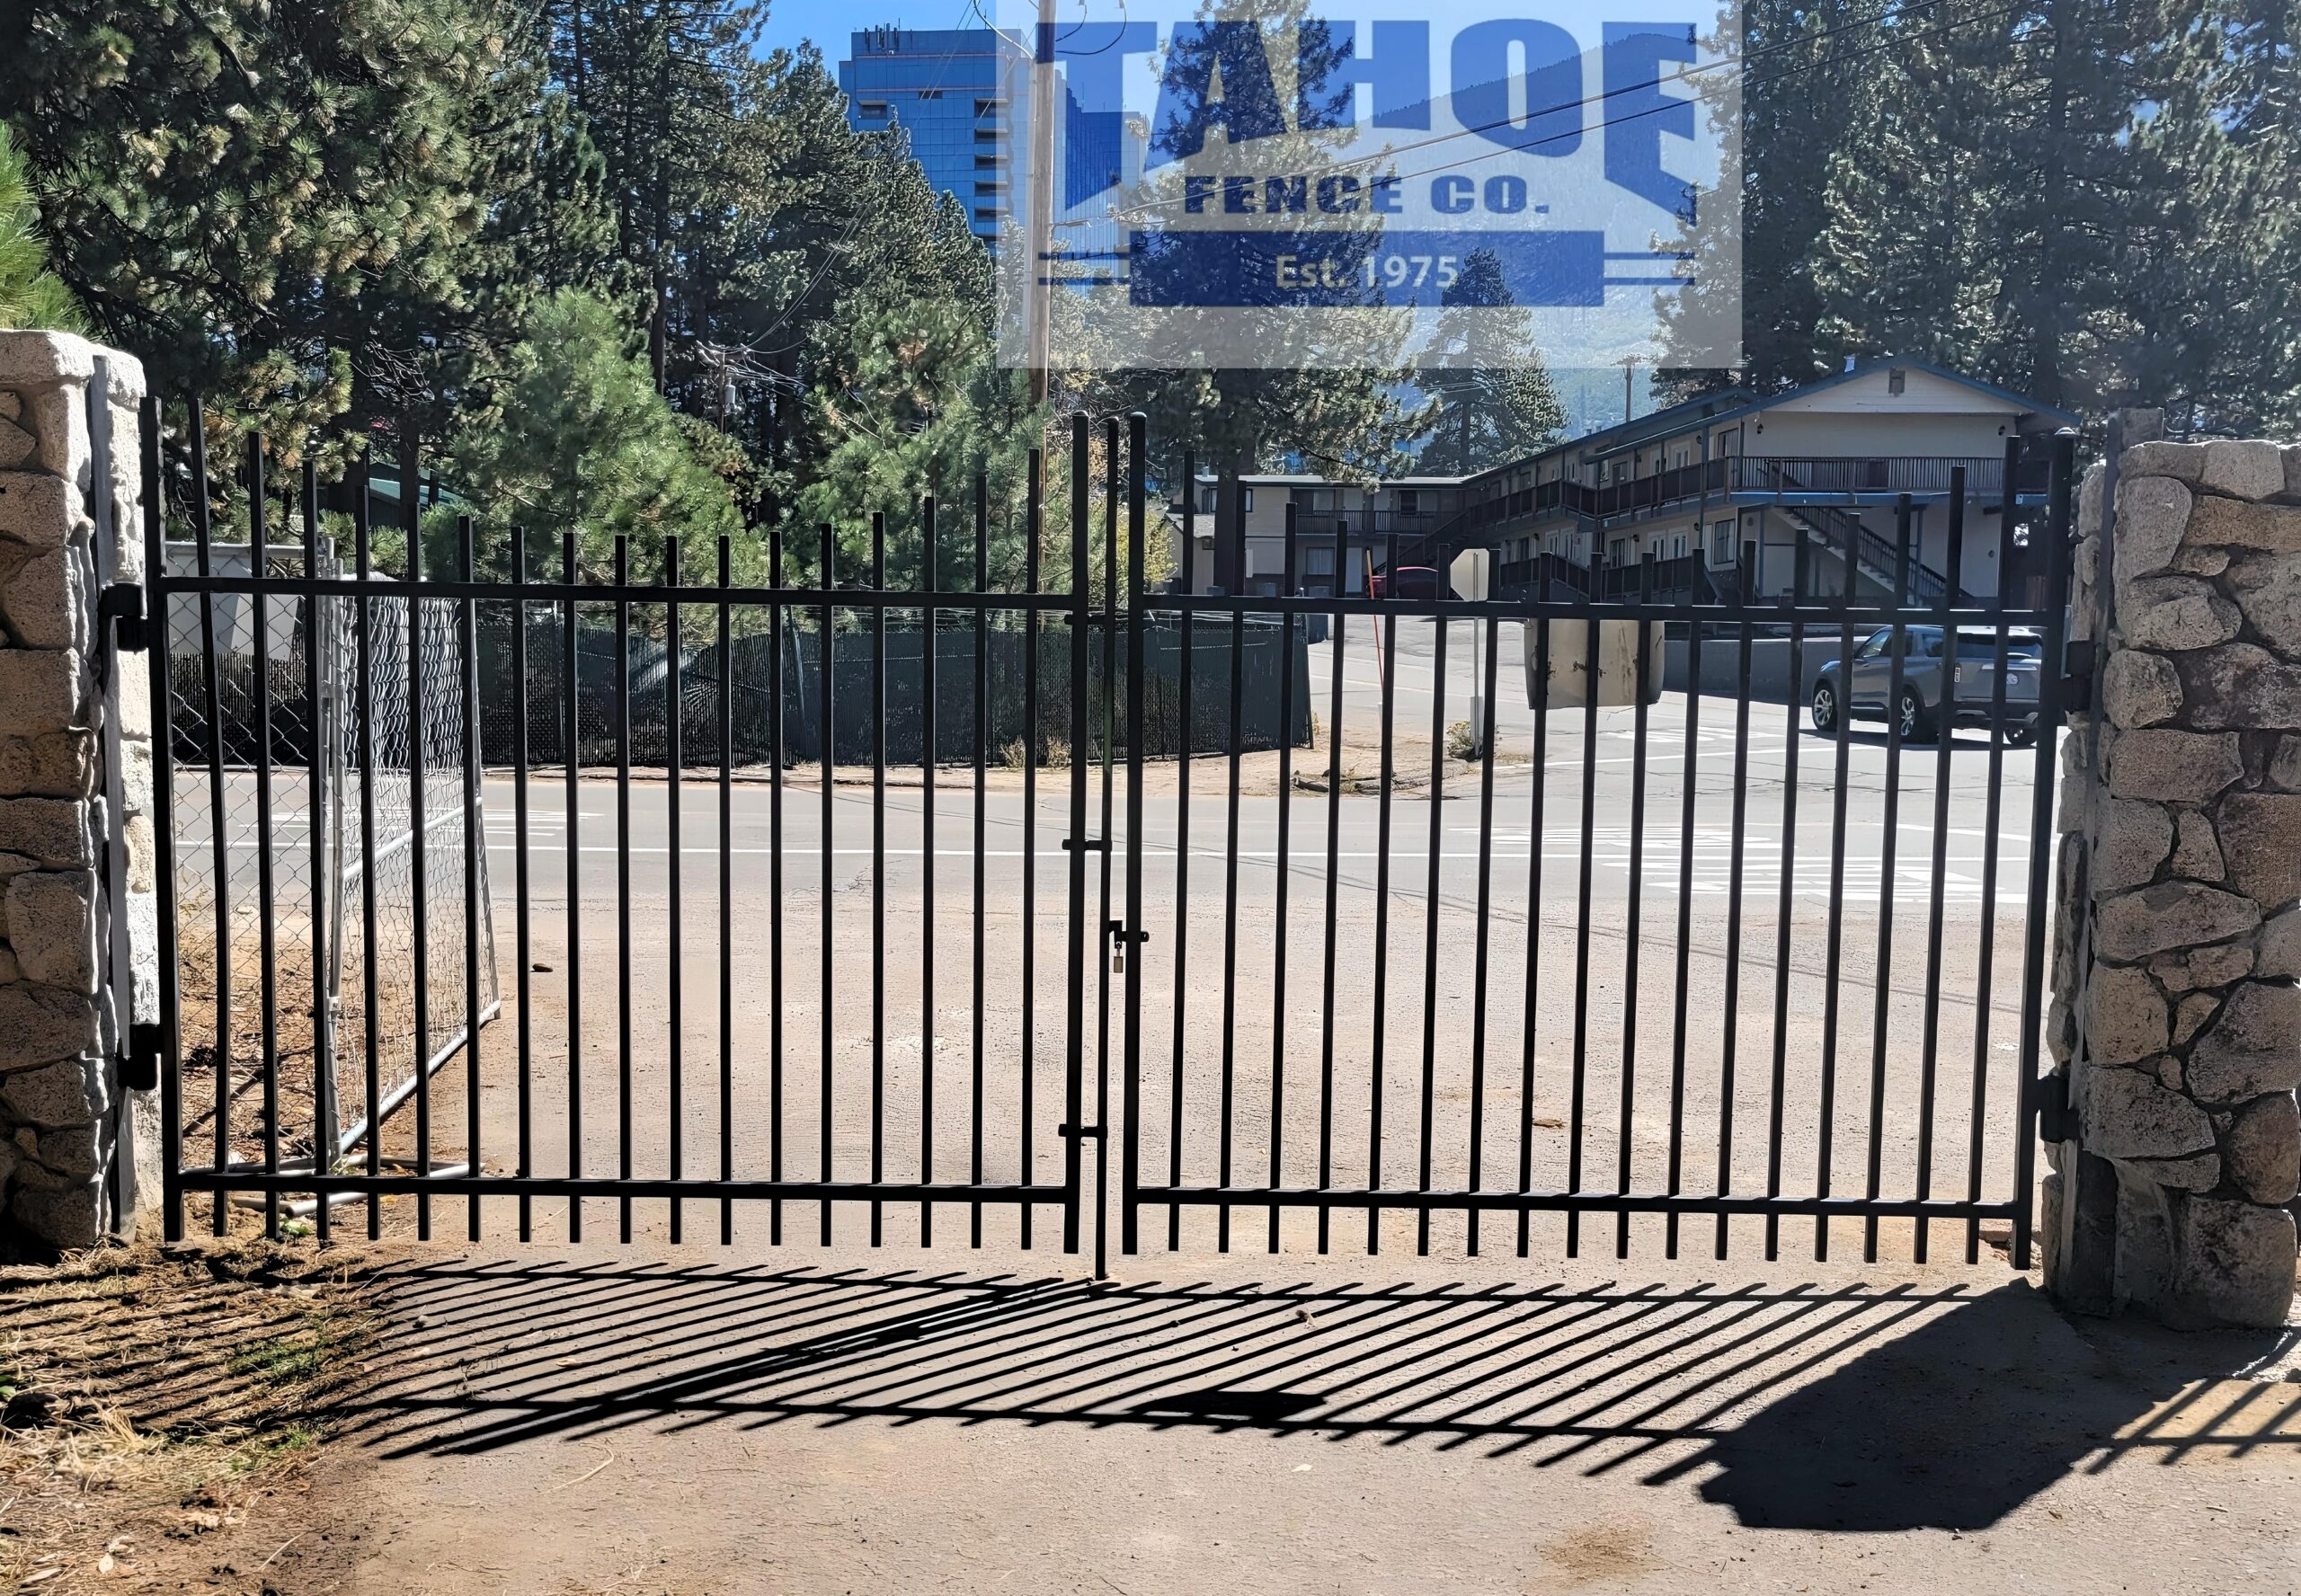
(674, 755)
(219, 841)
(1075, 999)
(1285, 872)
(157, 649)
(827, 725)
(1136, 933)
(623, 871)
(267, 899)
(474, 840)
(1110, 735)
(927, 558)
(1896, 678)
(1033, 512)
(317, 803)
(2041, 808)
(1945, 735)
(571, 682)
(1186, 661)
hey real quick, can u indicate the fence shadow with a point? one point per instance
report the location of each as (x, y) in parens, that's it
(1846, 1408)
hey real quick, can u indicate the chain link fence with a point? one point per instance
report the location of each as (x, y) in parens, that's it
(306, 889)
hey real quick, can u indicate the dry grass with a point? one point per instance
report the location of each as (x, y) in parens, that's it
(158, 1411)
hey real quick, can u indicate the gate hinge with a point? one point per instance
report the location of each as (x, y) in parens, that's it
(139, 1069)
(1091, 845)
(2056, 1121)
(2079, 662)
(122, 604)
(1092, 1132)
(1118, 932)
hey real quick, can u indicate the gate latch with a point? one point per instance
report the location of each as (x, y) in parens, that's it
(1120, 936)
(2078, 663)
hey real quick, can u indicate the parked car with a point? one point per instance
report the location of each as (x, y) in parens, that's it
(1861, 688)
(1410, 581)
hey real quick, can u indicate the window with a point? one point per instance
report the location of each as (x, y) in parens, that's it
(1721, 542)
(1896, 380)
(1409, 502)
(930, 93)
(1206, 498)
(1873, 646)
(1618, 552)
(871, 108)
(982, 214)
(1246, 499)
(1318, 561)
(986, 163)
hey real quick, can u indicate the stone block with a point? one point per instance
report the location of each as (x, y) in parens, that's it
(40, 1024)
(2233, 523)
(52, 927)
(2284, 769)
(2260, 841)
(16, 445)
(2244, 468)
(2292, 452)
(2237, 686)
(46, 604)
(68, 1091)
(41, 690)
(2139, 688)
(66, 1219)
(2218, 965)
(2174, 914)
(2262, 1150)
(44, 512)
(2200, 1172)
(54, 831)
(73, 1150)
(2189, 1019)
(2175, 612)
(36, 359)
(2184, 462)
(2170, 767)
(2232, 1261)
(59, 764)
(2153, 512)
(2127, 1114)
(2268, 594)
(2253, 1046)
(2200, 562)
(2132, 842)
(2126, 1019)
(2280, 946)
(2089, 500)
(2196, 853)
(60, 416)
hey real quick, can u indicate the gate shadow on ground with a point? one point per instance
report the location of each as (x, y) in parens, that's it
(1840, 1408)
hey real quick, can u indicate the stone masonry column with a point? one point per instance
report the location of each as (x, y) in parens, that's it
(2176, 1018)
(66, 1118)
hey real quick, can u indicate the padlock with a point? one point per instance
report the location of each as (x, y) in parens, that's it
(1118, 958)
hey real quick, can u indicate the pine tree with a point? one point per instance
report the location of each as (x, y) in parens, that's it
(1494, 398)
(225, 177)
(30, 295)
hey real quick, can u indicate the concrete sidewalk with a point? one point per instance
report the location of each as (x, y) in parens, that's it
(595, 1421)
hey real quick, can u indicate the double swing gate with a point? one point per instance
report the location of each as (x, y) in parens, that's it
(1446, 953)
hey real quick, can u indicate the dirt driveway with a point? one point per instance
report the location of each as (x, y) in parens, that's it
(564, 1421)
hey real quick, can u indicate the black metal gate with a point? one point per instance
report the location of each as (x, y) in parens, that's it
(675, 1033)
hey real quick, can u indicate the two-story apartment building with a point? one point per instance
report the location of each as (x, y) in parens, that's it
(1723, 489)
(1350, 527)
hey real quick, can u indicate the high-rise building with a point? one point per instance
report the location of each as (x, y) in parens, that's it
(962, 95)
(949, 89)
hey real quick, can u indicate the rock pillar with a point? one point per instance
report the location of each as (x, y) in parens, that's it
(67, 1121)
(2176, 1016)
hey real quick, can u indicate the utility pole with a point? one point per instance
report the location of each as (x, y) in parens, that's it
(1042, 193)
(1629, 371)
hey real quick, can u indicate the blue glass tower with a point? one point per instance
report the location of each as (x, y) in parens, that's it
(951, 90)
